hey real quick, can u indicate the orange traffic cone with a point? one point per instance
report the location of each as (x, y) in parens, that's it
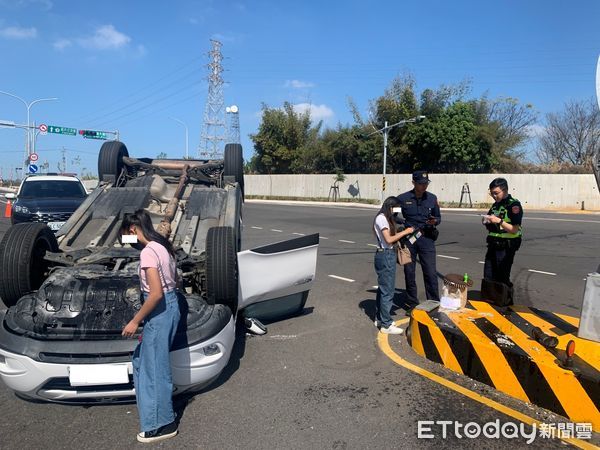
(8, 209)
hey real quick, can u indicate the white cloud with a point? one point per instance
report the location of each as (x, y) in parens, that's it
(46, 5)
(297, 84)
(106, 37)
(141, 51)
(317, 112)
(61, 44)
(18, 33)
(224, 37)
(535, 130)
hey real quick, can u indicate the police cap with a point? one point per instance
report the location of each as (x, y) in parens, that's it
(420, 177)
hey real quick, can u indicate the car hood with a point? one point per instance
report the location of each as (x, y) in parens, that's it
(68, 204)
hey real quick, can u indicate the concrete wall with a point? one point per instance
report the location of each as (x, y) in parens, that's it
(566, 192)
(534, 191)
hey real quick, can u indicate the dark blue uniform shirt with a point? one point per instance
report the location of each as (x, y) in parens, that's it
(417, 211)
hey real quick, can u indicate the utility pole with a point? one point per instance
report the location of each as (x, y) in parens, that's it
(213, 127)
(385, 130)
(187, 153)
(234, 124)
(64, 160)
(28, 135)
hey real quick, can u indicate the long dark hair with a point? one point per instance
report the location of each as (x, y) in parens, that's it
(386, 210)
(142, 219)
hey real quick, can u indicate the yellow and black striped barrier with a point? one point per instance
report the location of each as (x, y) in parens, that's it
(495, 346)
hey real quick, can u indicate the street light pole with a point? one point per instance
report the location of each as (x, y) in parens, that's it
(385, 131)
(28, 140)
(187, 156)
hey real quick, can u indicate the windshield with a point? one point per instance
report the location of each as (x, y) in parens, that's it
(52, 188)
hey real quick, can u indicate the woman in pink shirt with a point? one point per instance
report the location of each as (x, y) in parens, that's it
(160, 316)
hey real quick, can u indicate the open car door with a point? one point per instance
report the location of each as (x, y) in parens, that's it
(274, 280)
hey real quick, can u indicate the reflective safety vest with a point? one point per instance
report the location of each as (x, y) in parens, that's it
(501, 210)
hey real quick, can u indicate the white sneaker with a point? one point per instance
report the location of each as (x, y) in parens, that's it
(392, 329)
(376, 323)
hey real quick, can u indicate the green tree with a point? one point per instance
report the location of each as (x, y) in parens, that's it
(451, 143)
(285, 142)
(504, 125)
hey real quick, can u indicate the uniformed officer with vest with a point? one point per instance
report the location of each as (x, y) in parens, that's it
(421, 211)
(503, 222)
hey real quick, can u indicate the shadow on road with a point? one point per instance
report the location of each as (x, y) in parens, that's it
(400, 305)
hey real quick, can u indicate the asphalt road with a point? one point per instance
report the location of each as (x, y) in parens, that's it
(320, 380)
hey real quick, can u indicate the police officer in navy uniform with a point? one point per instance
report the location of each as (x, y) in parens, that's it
(503, 222)
(422, 212)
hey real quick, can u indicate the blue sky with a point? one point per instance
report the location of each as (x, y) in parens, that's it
(132, 65)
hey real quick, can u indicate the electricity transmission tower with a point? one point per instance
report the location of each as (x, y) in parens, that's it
(214, 130)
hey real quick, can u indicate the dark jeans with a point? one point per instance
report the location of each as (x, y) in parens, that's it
(424, 247)
(499, 259)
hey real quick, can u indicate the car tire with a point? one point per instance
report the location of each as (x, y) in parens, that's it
(234, 163)
(110, 161)
(22, 251)
(221, 267)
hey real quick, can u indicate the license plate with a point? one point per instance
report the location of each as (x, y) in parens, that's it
(55, 226)
(95, 374)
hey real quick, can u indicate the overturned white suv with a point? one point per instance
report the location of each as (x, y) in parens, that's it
(70, 294)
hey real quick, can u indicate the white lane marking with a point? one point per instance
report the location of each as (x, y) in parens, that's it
(449, 257)
(372, 245)
(299, 234)
(283, 337)
(541, 271)
(257, 228)
(347, 242)
(278, 231)
(323, 237)
(481, 262)
(350, 280)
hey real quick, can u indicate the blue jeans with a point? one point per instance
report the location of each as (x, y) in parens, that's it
(152, 366)
(425, 248)
(385, 267)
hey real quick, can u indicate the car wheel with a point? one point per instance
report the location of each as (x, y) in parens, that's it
(234, 163)
(110, 161)
(221, 267)
(22, 251)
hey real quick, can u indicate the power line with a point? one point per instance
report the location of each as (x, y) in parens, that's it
(143, 89)
(159, 100)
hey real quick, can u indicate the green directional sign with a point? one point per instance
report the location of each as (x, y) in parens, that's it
(62, 130)
(91, 134)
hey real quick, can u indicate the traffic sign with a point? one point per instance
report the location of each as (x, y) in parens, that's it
(33, 168)
(62, 130)
(43, 127)
(91, 134)
(33, 157)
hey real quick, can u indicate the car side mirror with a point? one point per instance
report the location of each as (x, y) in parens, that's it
(10, 195)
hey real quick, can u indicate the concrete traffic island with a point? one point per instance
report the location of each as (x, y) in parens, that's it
(521, 351)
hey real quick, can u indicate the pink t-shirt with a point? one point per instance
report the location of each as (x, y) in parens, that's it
(155, 255)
